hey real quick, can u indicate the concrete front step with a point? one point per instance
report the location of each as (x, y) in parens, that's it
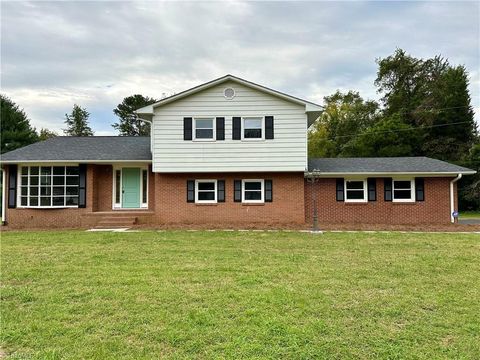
(117, 221)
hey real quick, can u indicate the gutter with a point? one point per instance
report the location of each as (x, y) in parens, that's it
(385, 174)
(452, 197)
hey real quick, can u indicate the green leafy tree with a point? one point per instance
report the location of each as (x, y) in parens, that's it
(16, 130)
(128, 124)
(45, 134)
(77, 122)
(344, 117)
(469, 186)
(389, 137)
(433, 96)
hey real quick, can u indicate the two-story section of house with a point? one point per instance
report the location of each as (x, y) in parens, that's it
(237, 150)
(227, 153)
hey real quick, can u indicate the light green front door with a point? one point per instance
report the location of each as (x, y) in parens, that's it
(130, 188)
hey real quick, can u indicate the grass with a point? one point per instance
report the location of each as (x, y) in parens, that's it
(179, 294)
(470, 215)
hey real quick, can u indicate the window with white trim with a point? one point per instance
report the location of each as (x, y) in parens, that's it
(356, 190)
(403, 190)
(253, 128)
(204, 129)
(252, 191)
(49, 186)
(205, 191)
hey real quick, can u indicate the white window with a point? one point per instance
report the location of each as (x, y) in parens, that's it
(403, 190)
(48, 186)
(205, 191)
(253, 128)
(356, 190)
(204, 129)
(252, 191)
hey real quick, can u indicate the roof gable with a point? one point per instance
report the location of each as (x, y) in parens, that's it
(310, 107)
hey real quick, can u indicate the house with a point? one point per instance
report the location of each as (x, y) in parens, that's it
(226, 153)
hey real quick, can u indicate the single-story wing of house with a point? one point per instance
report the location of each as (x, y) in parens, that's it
(226, 153)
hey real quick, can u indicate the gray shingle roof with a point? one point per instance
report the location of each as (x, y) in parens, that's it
(384, 165)
(88, 148)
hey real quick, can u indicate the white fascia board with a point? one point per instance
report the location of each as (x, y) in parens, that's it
(390, 174)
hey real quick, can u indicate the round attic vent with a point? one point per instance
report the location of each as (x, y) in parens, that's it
(229, 93)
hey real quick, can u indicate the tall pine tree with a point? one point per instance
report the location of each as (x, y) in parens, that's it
(128, 124)
(77, 122)
(15, 127)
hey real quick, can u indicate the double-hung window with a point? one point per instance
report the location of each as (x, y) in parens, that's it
(252, 191)
(205, 191)
(403, 190)
(253, 128)
(204, 129)
(355, 191)
(49, 186)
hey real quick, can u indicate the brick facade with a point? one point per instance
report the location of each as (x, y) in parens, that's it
(292, 204)
(287, 206)
(434, 210)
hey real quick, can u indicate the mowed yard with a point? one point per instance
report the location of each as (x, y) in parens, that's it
(278, 295)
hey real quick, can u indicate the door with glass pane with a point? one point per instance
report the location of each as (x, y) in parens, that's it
(130, 188)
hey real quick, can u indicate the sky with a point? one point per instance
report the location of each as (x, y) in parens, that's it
(56, 54)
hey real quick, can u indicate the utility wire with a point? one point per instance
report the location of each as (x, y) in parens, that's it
(399, 130)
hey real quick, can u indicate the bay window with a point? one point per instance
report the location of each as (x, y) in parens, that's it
(49, 186)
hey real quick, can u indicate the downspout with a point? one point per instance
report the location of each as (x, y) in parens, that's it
(3, 196)
(452, 197)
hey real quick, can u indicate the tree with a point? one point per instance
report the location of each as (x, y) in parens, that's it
(433, 96)
(128, 124)
(344, 117)
(389, 137)
(16, 130)
(46, 134)
(77, 122)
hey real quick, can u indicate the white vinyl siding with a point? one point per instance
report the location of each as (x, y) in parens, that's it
(286, 152)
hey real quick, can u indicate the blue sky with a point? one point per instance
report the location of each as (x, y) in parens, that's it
(55, 54)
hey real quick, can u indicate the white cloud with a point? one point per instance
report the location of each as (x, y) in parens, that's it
(55, 54)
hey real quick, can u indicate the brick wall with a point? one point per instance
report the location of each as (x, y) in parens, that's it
(287, 207)
(434, 210)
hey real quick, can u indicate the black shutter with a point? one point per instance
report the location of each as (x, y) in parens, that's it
(340, 193)
(268, 127)
(190, 191)
(268, 191)
(82, 185)
(187, 128)
(237, 190)
(237, 128)
(372, 189)
(419, 189)
(387, 185)
(221, 190)
(220, 128)
(12, 186)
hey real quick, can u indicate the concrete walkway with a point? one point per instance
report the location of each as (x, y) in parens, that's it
(474, 221)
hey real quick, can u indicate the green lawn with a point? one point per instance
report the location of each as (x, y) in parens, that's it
(470, 215)
(278, 295)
